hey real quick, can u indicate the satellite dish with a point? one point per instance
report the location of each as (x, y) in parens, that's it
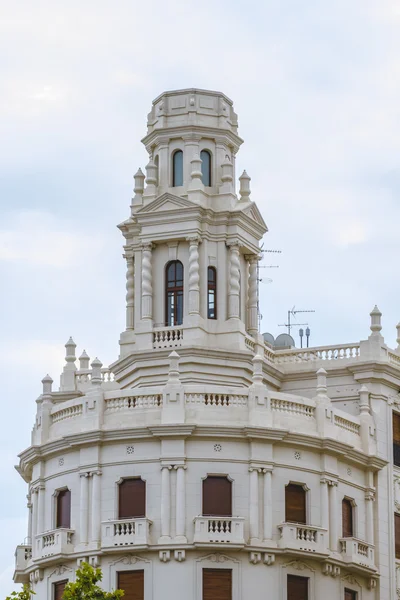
(269, 339)
(284, 340)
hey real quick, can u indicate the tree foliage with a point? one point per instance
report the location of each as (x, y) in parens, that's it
(85, 587)
(25, 594)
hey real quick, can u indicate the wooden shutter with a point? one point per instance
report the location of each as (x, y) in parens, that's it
(350, 595)
(396, 438)
(132, 582)
(295, 504)
(58, 589)
(297, 588)
(397, 533)
(132, 499)
(217, 584)
(64, 509)
(217, 497)
(347, 518)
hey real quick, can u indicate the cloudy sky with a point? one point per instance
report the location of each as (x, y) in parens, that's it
(316, 86)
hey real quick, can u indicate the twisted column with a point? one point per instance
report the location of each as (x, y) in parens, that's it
(130, 292)
(180, 503)
(147, 282)
(234, 281)
(252, 298)
(194, 275)
(165, 502)
(96, 506)
(84, 508)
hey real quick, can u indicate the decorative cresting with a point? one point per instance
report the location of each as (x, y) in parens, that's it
(130, 291)
(194, 275)
(234, 280)
(252, 302)
(147, 282)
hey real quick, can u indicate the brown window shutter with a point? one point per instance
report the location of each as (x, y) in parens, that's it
(64, 509)
(132, 582)
(347, 518)
(217, 584)
(217, 497)
(132, 499)
(297, 588)
(350, 595)
(58, 589)
(397, 533)
(295, 504)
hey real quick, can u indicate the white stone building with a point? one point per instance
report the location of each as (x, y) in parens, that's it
(204, 464)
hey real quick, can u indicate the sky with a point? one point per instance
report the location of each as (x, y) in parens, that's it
(316, 86)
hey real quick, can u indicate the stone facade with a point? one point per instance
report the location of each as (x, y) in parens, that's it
(204, 396)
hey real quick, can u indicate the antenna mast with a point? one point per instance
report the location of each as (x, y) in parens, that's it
(259, 279)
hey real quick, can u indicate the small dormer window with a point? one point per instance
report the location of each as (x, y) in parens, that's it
(177, 168)
(205, 167)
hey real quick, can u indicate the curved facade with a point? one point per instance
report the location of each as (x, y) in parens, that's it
(204, 463)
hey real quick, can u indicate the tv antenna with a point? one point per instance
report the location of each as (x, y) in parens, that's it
(263, 279)
(292, 313)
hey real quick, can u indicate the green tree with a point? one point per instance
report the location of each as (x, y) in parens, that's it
(85, 587)
(24, 594)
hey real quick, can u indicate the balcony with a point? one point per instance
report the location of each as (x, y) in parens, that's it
(304, 538)
(357, 552)
(53, 543)
(219, 530)
(23, 555)
(127, 532)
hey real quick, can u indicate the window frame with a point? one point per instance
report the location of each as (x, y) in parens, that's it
(306, 501)
(175, 290)
(396, 442)
(59, 493)
(209, 154)
(354, 593)
(55, 584)
(129, 571)
(352, 505)
(119, 484)
(174, 168)
(219, 476)
(397, 541)
(212, 288)
(298, 577)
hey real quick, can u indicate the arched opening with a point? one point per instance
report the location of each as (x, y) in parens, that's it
(217, 496)
(132, 498)
(174, 293)
(205, 156)
(177, 168)
(212, 293)
(295, 503)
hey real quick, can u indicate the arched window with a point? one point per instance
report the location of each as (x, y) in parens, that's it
(347, 518)
(174, 293)
(212, 293)
(177, 168)
(205, 167)
(63, 509)
(295, 503)
(132, 498)
(217, 496)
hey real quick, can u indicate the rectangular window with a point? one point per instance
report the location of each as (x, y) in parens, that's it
(295, 503)
(217, 584)
(397, 533)
(347, 518)
(350, 595)
(132, 582)
(63, 509)
(396, 438)
(217, 497)
(58, 589)
(132, 499)
(297, 588)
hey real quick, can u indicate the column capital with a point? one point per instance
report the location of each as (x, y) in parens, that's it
(370, 494)
(176, 467)
(194, 239)
(331, 481)
(95, 472)
(85, 474)
(233, 244)
(252, 258)
(129, 254)
(147, 246)
(166, 466)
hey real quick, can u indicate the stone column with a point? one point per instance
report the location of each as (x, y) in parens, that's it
(267, 504)
(147, 282)
(369, 516)
(40, 509)
(234, 281)
(254, 514)
(165, 503)
(180, 504)
(333, 512)
(130, 292)
(96, 506)
(29, 506)
(34, 495)
(194, 275)
(84, 508)
(324, 504)
(252, 298)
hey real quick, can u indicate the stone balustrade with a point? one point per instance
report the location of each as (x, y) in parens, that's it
(219, 530)
(23, 556)
(53, 543)
(357, 552)
(126, 532)
(300, 537)
(349, 352)
(167, 337)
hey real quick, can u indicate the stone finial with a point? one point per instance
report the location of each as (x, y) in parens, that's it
(257, 369)
(244, 186)
(364, 400)
(227, 170)
(70, 351)
(47, 383)
(398, 337)
(195, 173)
(151, 173)
(84, 360)
(139, 178)
(96, 371)
(322, 389)
(376, 325)
(173, 371)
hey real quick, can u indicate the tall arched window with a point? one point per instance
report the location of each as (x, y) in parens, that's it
(212, 293)
(205, 167)
(174, 293)
(177, 168)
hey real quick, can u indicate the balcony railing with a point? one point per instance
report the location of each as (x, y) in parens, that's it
(297, 536)
(358, 552)
(219, 530)
(167, 337)
(23, 555)
(126, 532)
(52, 543)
